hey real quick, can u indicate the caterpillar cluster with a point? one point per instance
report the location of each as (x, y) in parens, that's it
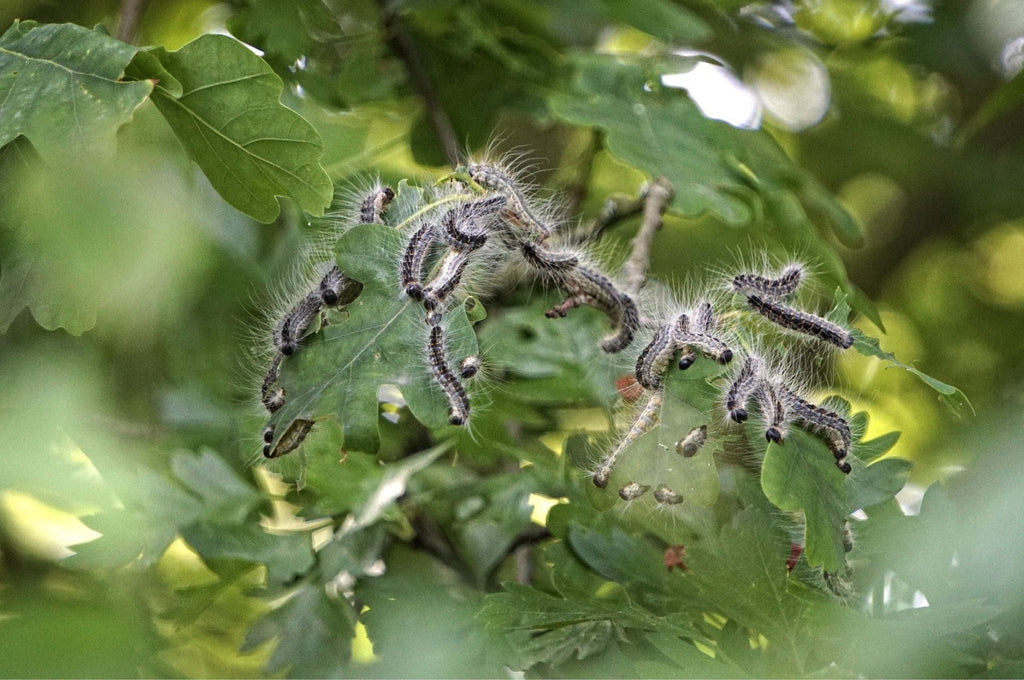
(699, 331)
(483, 220)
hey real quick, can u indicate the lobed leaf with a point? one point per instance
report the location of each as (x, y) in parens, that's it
(229, 117)
(62, 87)
(383, 340)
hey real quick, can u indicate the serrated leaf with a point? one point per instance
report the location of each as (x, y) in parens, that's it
(225, 495)
(61, 87)
(712, 165)
(229, 118)
(954, 399)
(742, 574)
(383, 340)
(314, 634)
(802, 475)
(285, 556)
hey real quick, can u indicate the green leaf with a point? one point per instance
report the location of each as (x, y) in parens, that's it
(652, 459)
(877, 483)
(314, 634)
(24, 283)
(666, 21)
(224, 494)
(285, 556)
(229, 118)
(383, 340)
(62, 87)
(802, 475)
(713, 166)
(954, 399)
(742, 574)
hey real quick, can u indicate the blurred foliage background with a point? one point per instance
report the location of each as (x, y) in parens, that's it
(910, 112)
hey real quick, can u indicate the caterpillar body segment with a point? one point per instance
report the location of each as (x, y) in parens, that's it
(466, 227)
(554, 264)
(448, 277)
(516, 211)
(667, 496)
(289, 441)
(293, 326)
(412, 261)
(773, 411)
(644, 422)
(833, 427)
(741, 388)
(458, 400)
(375, 205)
(801, 322)
(655, 357)
(633, 490)
(694, 440)
(272, 397)
(337, 289)
(588, 287)
(780, 288)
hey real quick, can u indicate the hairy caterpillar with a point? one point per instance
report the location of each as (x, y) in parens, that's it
(741, 388)
(587, 287)
(546, 261)
(633, 490)
(336, 289)
(375, 205)
(773, 411)
(700, 338)
(412, 261)
(778, 288)
(516, 211)
(296, 322)
(689, 445)
(272, 399)
(460, 225)
(458, 401)
(654, 358)
(644, 422)
(469, 367)
(801, 322)
(447, 278)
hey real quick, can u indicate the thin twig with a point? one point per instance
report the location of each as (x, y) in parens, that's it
(130, 17)
(402, 45)
(656, 199)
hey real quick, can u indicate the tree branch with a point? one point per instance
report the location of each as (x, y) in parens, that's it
(402, 45)
(656, 197)
(130, 17)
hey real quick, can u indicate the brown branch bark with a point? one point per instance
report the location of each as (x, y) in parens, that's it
(655, 202)
(130, 17)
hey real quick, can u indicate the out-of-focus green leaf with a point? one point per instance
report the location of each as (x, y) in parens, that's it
(383, 340)
(877, 483)
(667, 21)
(742, 574)
(23, 283)
(230, 119)
(285, 556)
(62, 87)
(711, 165)
(802, 475)
(313, 630)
